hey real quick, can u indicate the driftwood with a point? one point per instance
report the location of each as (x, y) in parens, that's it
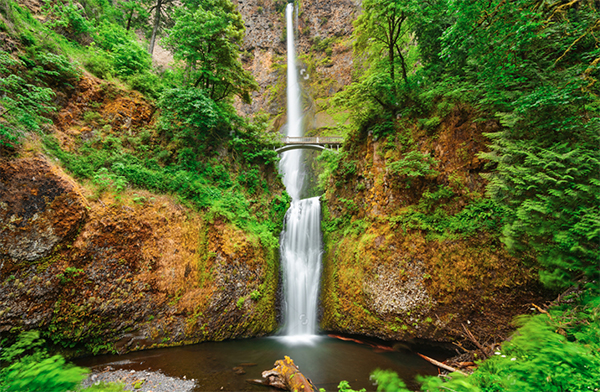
(439, 364)
(285, 375)
(476, 342)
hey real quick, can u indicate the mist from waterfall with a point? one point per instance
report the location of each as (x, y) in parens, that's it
(301, 247)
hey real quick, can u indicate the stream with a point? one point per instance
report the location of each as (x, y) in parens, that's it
(326, 361)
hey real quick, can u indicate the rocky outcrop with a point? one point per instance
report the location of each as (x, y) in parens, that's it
(122, 274)
(38, 209)
(391, 269)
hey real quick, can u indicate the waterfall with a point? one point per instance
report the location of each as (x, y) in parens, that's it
(301, 236)
(291, 161)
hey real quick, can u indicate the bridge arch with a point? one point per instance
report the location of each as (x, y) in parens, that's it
(289, 147)
(319, 143)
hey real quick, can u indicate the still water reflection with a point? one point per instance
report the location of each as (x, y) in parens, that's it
(325, 360)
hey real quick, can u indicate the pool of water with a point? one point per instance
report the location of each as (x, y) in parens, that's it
(325, 360)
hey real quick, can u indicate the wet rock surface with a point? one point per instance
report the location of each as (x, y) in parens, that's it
(398, 288)
(388, 277)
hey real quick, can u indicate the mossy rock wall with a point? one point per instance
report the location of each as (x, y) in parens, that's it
(127, 274)
(387, 274)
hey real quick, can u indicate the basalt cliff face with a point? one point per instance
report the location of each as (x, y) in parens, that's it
(419, 256)
(119, 272)
(324, 50)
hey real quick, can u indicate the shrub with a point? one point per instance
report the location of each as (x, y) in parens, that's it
(146, 83)
(99, 63)
(130, 58)
(69, 20)
(30, 368)
(414, 164)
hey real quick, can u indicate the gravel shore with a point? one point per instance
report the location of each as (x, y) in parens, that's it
(141, 381)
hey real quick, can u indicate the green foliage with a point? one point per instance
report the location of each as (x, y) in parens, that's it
(414, 164)
(382, 41)
(344, 386)
(323, 45)
(28, 367)
(207, 37)
(479, 215)
(192, 117)
(130, 58)
(541, 83)
(388, 381)
(69, 274)
(26, 98)
(280, 5)
(135, 14)
(98, 62)
(329, 162)
(534, 67)
(146, 83)
(105, 387)
(121, 54)
(255, 295)
(68, 19)
(240, 302)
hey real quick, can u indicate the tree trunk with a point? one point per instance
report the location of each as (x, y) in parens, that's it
(392, 70)
(403, 63)
(129, 20)
(156, 25)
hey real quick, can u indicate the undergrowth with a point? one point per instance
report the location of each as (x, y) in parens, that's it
(27, 367)
(556, 351)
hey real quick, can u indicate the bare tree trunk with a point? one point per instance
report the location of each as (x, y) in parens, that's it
(403, 63)
(156, 25)
(129, 20)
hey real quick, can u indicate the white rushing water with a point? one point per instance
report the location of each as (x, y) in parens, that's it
(291, 161)
(301, 236)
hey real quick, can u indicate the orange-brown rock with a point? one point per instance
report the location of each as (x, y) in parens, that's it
(394, 274)
(38, 209)
(123, 273)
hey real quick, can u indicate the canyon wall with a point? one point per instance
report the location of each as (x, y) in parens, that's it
(98, 270)
(417, 254)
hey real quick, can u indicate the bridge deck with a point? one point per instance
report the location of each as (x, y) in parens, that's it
(321, 140)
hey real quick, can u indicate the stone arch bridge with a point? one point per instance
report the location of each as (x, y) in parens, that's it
(319, 143)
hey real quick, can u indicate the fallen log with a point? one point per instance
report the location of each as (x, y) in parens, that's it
(285, 375)
(439, 364)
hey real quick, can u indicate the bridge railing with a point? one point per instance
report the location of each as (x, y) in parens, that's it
(312, 140)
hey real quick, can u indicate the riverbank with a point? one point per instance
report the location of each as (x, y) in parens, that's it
(143, 380)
